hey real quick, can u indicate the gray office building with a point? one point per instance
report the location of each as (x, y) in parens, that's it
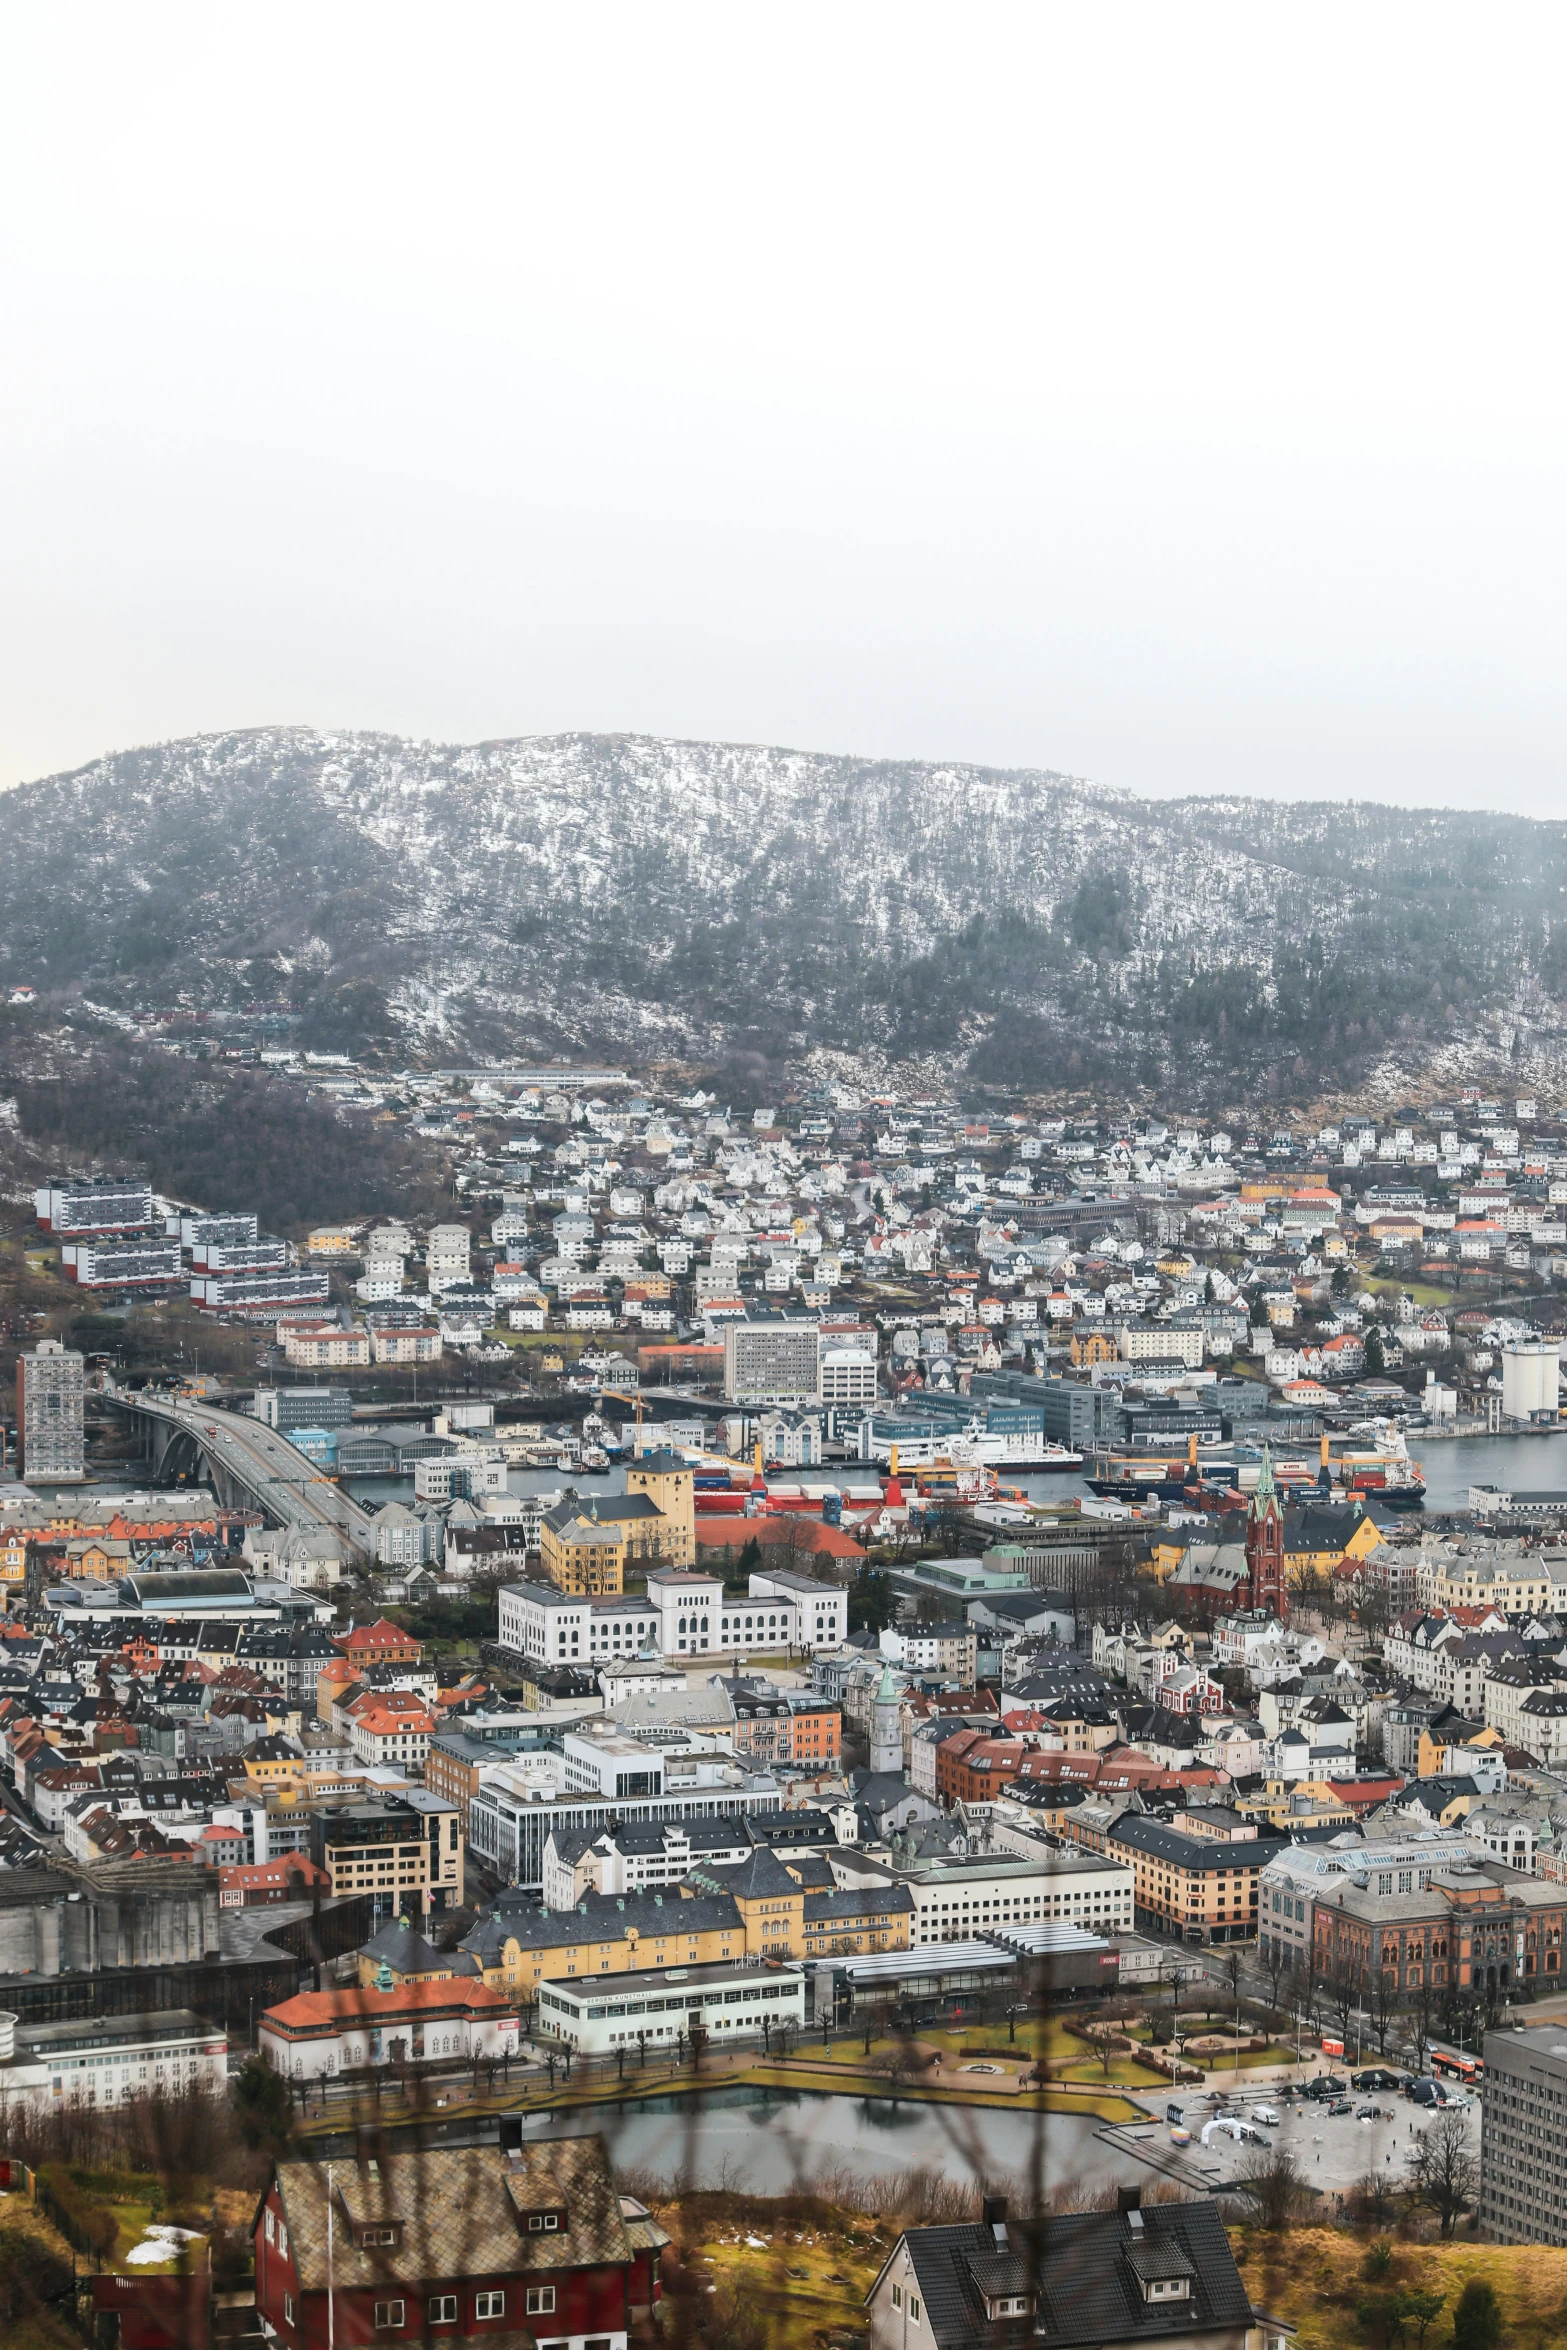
(772, 1359)
(1523, 2138)
(288, 1408)
(51, 1393)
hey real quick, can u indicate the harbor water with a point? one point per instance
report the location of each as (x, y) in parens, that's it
(1451, 1465)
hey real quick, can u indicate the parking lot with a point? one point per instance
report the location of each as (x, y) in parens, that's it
(1332, 2150)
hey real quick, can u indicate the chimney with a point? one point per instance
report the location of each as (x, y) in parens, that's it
(1129, 2199)
(993, 2211)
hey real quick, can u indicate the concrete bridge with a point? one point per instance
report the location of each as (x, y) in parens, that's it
(248, 1466)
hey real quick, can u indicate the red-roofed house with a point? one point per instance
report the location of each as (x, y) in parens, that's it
(379, 1643)
(319, 2033)
(258, 1884)
(973, 1767)
(392, 1728)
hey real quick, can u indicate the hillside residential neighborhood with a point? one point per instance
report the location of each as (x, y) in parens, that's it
(741, 1577)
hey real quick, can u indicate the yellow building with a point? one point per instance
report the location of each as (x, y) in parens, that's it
(518, 1951)
(581, 1553)
(1519, 1583)
(1300, 1803)
(783, 1920)
(1314, 1543)
(13, 1557)
(264, 1768)
(1431, 1753)
(1166, 1553)
(670, 1485)
(92, 1558)
(1092, 1346)
(333, 1240)
(756, 1909)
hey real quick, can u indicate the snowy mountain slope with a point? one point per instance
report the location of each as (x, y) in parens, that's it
(625, 893)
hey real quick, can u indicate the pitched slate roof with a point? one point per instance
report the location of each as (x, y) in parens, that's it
(1089, 2268)
(760, 1875)
(1193, 1852)
(407, 1952)
(601, 1917)
(462, 2212)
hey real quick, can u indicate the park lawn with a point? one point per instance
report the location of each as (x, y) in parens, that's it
(1125, 2069)
(1252, 2059)
(1314, 2278)
(1047, 2037)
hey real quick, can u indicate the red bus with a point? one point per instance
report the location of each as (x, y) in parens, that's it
(1457, 2065)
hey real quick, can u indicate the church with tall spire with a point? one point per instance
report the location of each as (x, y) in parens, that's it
(1265, 1586)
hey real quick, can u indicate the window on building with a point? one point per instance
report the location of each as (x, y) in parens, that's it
(390, 2316)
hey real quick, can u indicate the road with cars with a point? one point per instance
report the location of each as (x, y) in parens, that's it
(277, 1476)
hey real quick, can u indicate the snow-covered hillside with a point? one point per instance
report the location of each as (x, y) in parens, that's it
(628, 893)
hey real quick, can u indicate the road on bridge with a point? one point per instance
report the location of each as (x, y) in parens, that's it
(280, 1478)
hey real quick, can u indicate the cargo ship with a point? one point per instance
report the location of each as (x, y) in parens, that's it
(977, 1447)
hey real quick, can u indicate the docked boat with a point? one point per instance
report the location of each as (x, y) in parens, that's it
(977, 1447)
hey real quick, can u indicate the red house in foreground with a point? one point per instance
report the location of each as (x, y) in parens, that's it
(455, 2244)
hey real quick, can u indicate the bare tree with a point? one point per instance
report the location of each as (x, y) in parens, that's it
(1382, 2005)
(1371, 2199)
(1443, 2171)
(1423, 2004)
(1274, 1960)
(1343, 1995)
(1271, 2185)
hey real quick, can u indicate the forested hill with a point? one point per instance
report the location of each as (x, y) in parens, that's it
(620, 894)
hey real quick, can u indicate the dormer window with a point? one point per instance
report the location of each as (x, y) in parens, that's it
(543, 2222)
(1169, 2289)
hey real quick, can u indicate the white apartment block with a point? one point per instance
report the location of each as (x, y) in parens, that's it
(848, 1373)
(959, 1900)
(552, 1627)
(1147, 1342)
(447, 1255)
(780, 1610)
(106, 2060)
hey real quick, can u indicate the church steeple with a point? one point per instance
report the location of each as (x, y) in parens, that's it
(1267, 1487)
(1265, 1585)
(886, 1726)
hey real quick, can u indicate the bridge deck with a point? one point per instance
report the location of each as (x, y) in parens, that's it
(240, 1451)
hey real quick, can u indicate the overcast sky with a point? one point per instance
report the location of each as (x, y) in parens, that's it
(1169, 395)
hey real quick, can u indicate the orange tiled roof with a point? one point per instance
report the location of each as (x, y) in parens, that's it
(319, 2011)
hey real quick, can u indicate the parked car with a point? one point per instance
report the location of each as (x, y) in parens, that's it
(1266, 2114)
(1340, 2105)
(1369, 2113)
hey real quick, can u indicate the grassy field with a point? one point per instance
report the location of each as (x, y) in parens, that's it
(1316, 2278)
(1424, 1293)
(798, 2286)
